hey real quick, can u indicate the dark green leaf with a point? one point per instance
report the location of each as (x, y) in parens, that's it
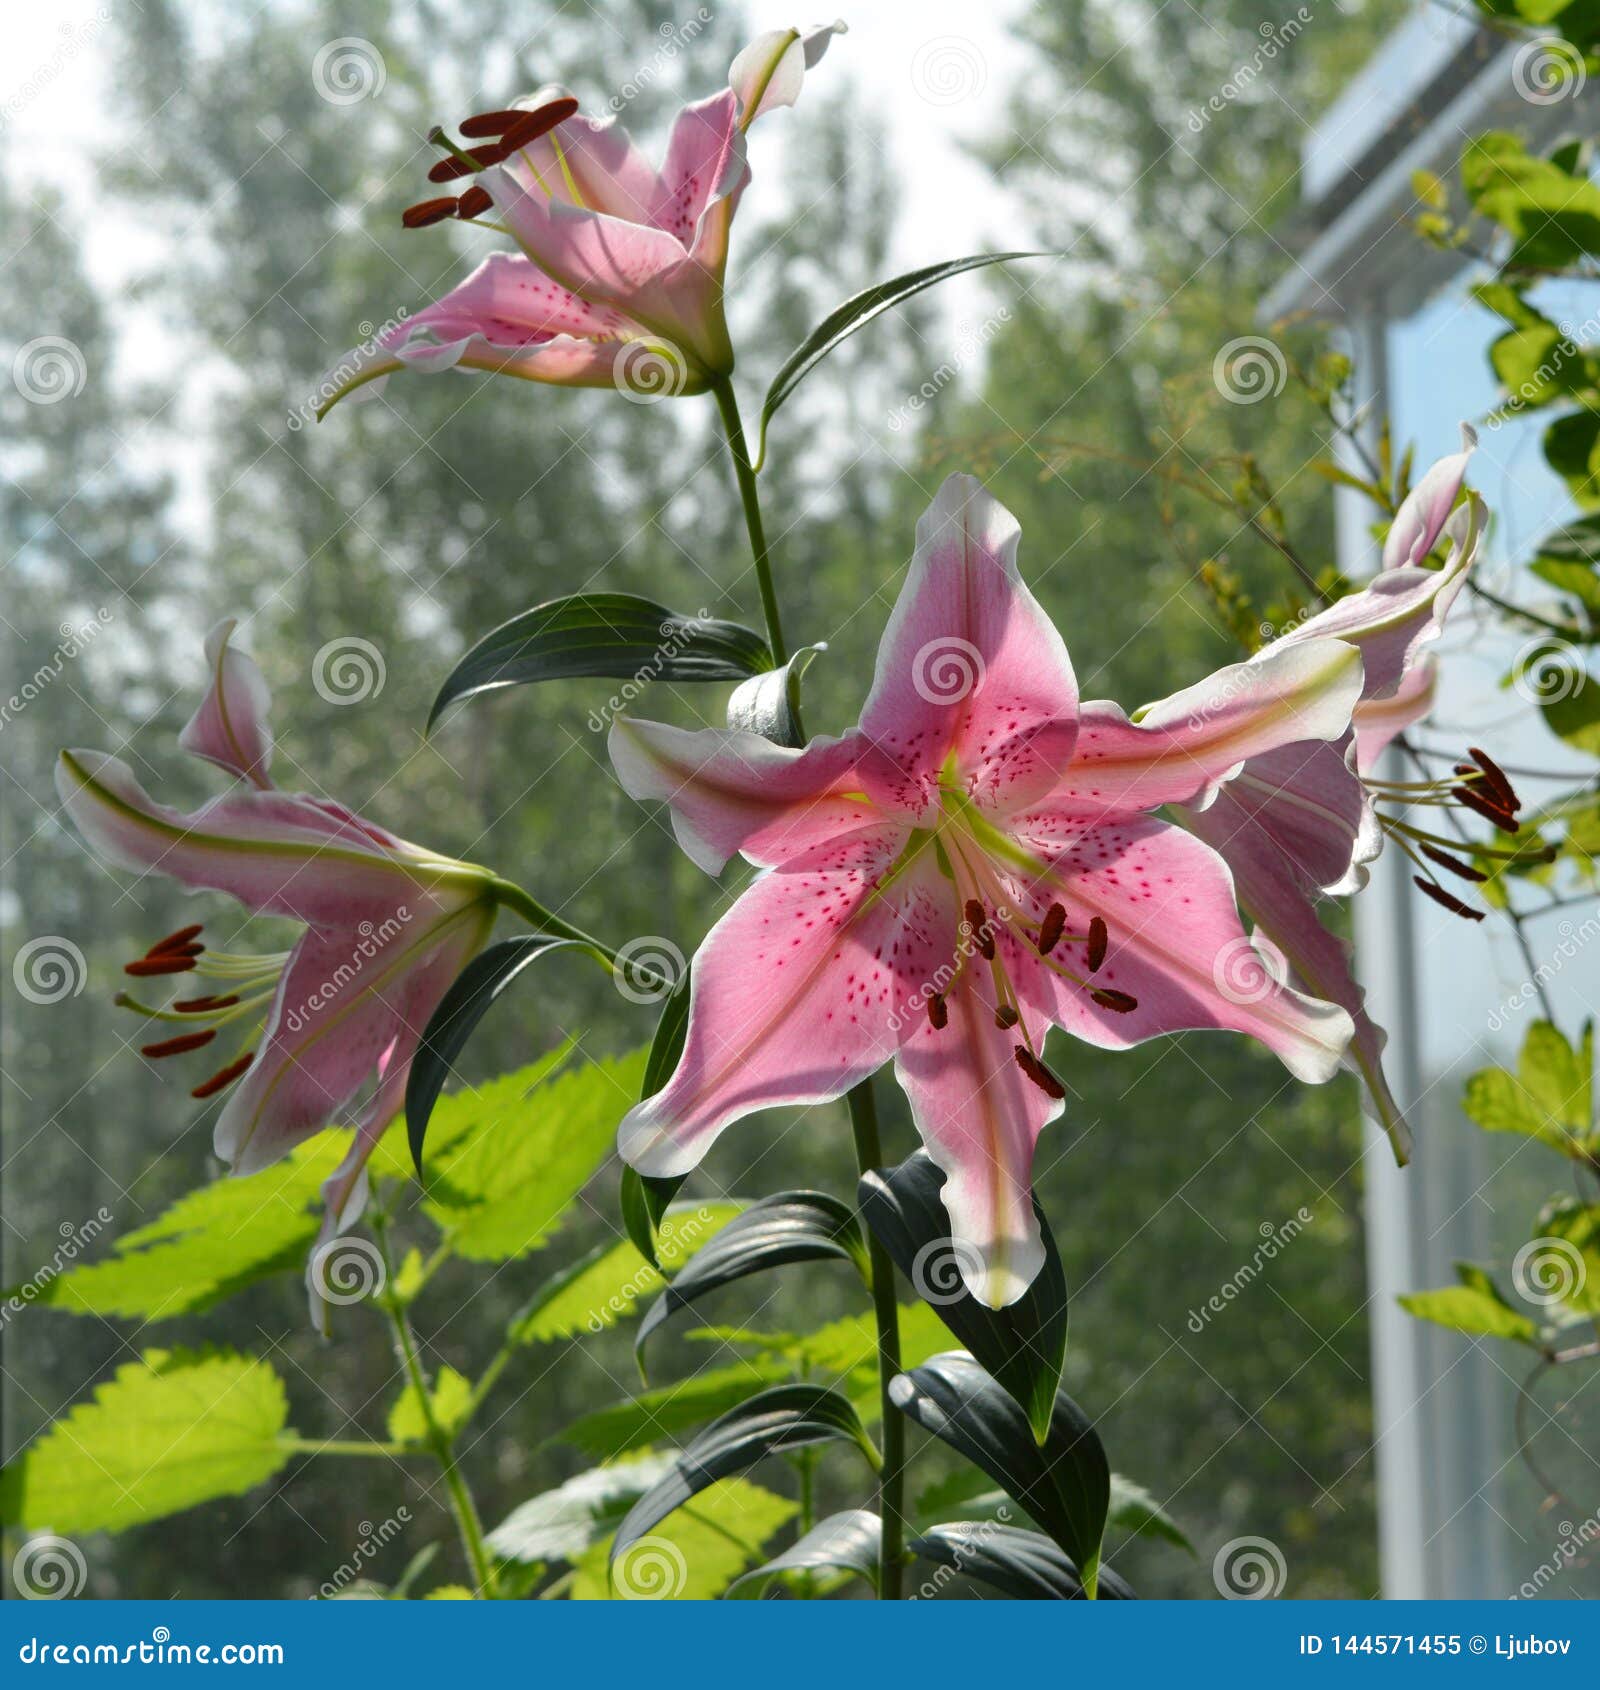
(785, 1417)
(1572, 447)
(1064, 1483)
(653, 1417)
(1017, 1563)
(848, 1541)
(614, 635)
(1135, 1510)
(1023, 1345)
(645, 1198)
(792, 1226)
(769, 704)
(855, 313)
(461, 1009)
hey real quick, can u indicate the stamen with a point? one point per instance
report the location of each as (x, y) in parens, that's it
(488, 123)
(1108, 997)
(938, 1012)
(1454, 864)
(1503, 789)
(146, 966)
(224, 1076)
(1099, 940)
(980, 931)
(1038, 1073)
(1450, 902)
(1006, 1017)
(182, 940)
(201, 1006)
(532, 124)
(1051, 928)
(177, 1046)
(474, 159)
(1484, 806)
(473, 203)
(419, 216)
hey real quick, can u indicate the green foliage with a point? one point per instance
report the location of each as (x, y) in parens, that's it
(670, 1411)
(1476, 1306)
(1549, 1098)
(1551, 214)
(450, 1401)
(172, 1429)
(1575, 1271)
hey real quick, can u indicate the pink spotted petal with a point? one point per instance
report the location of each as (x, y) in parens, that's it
(731, 791)
(278, 853)
(1182, 747)
(798, 992)
(971, 673)
(1424, 511)
(230, 727)
(610, 171)
(980, 1118)
(705, 163)
(1176, 944)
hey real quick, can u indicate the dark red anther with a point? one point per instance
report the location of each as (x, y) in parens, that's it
(224, 1076)
(533, 124)
(177, 1046)
(182, 940)
(1006, 1017)
(938, 1012)
(978, 927)
(489, 123)
(473, 203)
(1454, 864)
(1108, 997)
(149, 965)
(1051, 928)
(1503, 790)
(452, 168)
(1448, 900)
(1482, 804)
(1099, 940)
(419, 216)
(1038, 1073)
(200, 1006)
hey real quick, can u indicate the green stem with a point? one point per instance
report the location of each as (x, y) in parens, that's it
(344, 1446)
(733, 428)
(438, 1440)
(891, 1476)
(544, 920)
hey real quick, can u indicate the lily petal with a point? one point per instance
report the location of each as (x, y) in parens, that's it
(1423, 512)
(1379, 721)
(1176, 944)
(1180, 748)
(769, 72)
(798, 992)
(230, 727)
(970, 668)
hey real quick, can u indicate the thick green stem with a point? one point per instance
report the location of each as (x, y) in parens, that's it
(439, 1441)
(891, 1476)
(733, 428)
(543, 920)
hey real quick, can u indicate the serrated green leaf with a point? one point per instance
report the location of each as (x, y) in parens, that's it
(562, 1523)
(173, 1429)
(1475, 1306)
(1133, 1509)
(1576, 1224)
(451, 1399)
(1550, 1097)
(1552, 216)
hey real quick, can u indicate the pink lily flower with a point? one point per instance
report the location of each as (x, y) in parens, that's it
(388, 926)
(974, 863)
(1300, 822)
(619, 280)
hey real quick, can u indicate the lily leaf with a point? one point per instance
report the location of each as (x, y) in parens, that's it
(644, 1197)
(1023, 1345)
(1064, 1483)
(846, 1542)
(855, 313)
(1017, 1563)
(617, 636)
